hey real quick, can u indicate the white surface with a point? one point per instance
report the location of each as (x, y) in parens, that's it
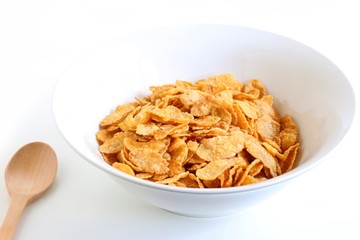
(293, 73)
(40, 39)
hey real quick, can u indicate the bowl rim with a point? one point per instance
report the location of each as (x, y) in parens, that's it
(297, 171)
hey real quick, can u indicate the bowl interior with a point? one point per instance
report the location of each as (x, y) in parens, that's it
(303, 82)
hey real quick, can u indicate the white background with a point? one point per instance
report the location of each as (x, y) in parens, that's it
(39, 39)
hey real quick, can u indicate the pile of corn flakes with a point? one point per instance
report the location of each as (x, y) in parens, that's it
(214, 133)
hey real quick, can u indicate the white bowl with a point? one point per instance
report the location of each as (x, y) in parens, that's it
(305, 84)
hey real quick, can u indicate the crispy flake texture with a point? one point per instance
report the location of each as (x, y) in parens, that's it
(213, 133)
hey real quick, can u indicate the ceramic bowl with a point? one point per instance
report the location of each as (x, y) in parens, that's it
(305, 84)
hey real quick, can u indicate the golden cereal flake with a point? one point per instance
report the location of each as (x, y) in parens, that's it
(221, 146)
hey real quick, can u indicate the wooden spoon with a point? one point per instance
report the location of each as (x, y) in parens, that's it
(29, 173)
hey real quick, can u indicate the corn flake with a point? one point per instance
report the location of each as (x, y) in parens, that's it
(221, 147)
(216, 168)
(213, 133)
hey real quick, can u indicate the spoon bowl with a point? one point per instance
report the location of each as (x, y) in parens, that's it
(30, 172)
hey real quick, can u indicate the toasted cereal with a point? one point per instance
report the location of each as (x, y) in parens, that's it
(170, 114)
(251, 170)
(121, 112)
(249, 109)
(290, 156)
(103, 135)
(147, 129)
(221, 147)
(124, 167)
(267, 127)
(114, 144)
(254, 147)
(178, 156)
(174, 178)
(191, 181)
(289, 132)
(213, 133)
(215, 168)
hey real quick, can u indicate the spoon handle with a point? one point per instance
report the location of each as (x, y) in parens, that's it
(17, 206)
